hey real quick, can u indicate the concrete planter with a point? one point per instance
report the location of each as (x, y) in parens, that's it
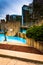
(22, 35)
(36, 44)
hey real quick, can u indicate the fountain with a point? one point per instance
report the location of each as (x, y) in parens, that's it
(22, 20)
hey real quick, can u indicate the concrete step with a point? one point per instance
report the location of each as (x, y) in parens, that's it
(22, 55)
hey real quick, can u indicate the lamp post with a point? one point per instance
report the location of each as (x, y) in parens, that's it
(5, 34)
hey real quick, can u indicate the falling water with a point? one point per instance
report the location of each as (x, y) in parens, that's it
(22, 20)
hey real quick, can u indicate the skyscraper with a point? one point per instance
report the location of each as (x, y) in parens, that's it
(7, 17)
(38, 7)
(26, 13)
(13, 18)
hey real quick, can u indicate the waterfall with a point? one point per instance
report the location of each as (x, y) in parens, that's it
(22, 20)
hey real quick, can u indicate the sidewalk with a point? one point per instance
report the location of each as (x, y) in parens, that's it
(22, 55)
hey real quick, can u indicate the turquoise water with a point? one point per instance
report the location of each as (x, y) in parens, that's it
(2, 37)
(12, 39)
(23, 31)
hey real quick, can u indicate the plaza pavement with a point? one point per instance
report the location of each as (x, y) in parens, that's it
(13, 61)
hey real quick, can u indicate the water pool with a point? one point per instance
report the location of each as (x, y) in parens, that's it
(12, 39)
(23, 31)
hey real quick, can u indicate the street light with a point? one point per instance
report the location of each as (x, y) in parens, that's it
(5, 31)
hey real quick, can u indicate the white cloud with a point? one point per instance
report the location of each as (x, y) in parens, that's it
(13, 7)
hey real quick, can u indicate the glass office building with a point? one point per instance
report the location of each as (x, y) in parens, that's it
(26, 13)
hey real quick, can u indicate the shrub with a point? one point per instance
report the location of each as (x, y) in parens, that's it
(35, 32)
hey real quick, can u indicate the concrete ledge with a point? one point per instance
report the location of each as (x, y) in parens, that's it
(23, 55)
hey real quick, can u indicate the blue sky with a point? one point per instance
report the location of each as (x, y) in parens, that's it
(12, 7)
